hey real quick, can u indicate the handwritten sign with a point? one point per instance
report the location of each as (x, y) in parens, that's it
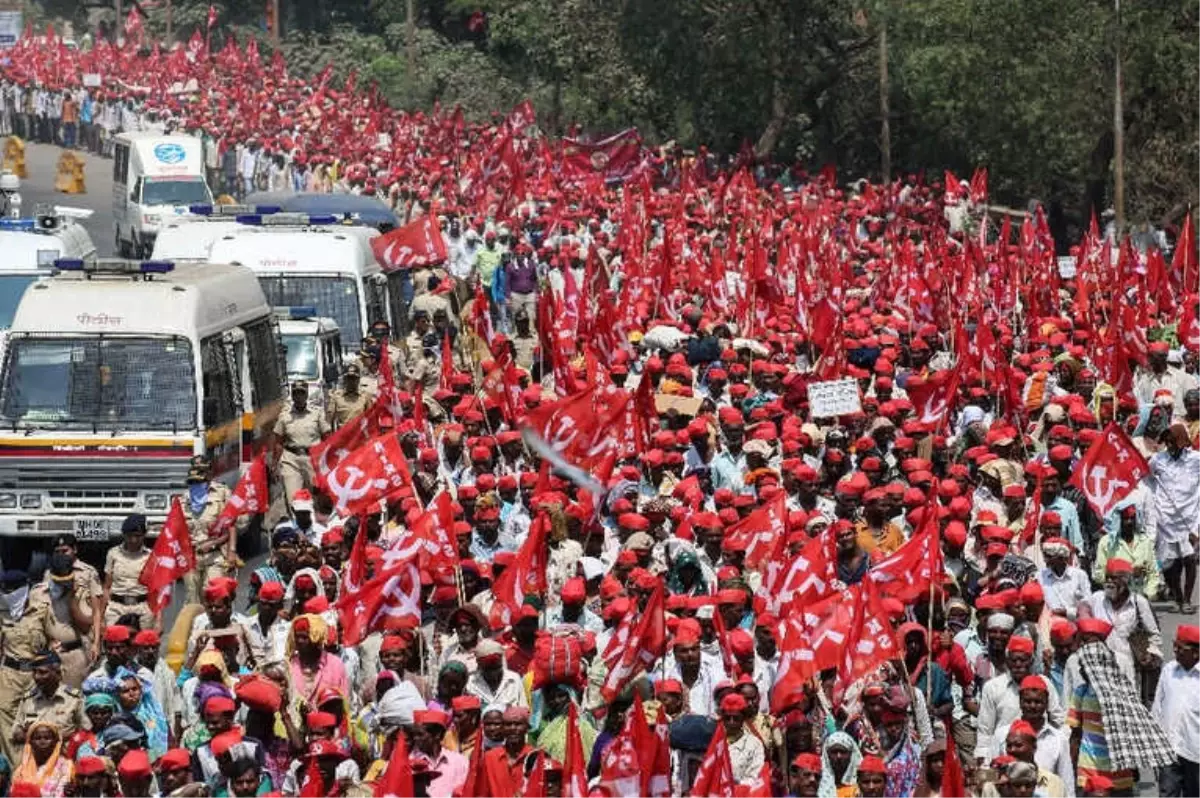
(833, 398)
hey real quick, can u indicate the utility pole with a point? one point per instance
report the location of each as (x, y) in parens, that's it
(885, 131)
(273, 22)
(170, 25)
(410, 43)
(1118, 131)
(120, 26)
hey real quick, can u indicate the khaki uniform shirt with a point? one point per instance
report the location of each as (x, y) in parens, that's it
(343, 405)
(64, 709)
(23, 639)
(524, 350)
(301, 429)
(125, 569)
(200, 523)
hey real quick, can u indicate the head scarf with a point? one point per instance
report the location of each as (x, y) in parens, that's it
(313, 574)
(150, 713)
(100, 700)
(317, 630)
(683, 559)
(828, 787)
(211, 658)
(56, 771)
(396, 707)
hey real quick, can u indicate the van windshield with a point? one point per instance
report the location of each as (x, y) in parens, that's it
(335, 296)
(95, 381)
(175, 191)
(12, 288)
(301, 356)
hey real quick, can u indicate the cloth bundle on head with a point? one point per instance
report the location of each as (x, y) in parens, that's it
(1135, 739)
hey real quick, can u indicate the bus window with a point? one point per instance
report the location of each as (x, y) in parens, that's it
(332, 356)
(397, 305)
(377, 301)
(220, 396)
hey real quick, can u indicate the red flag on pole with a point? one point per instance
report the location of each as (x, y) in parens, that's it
(212, 16)
(574, 781)
(715, 776)
(1110, 470)
(171, 558)
(391, 601)
(418, 243)
(526, 576)
(647, 643)
(250, 496)
(447, 362)
(397, 779)
(371, 472)
(330, 452)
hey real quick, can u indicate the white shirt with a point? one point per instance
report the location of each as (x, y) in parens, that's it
(1053, 753)
(1176, 486)
(746, 755)
(1000, 705)
(510, 692)
(1066, 591)
(1177, 708)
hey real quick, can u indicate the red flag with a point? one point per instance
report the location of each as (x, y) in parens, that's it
(195, 44)
(331, 451)
(252, 55)
(447, 362)
(760, 530)
(979, 186)
(905, 573)
(212, 16)
(526, 576)
(397, 779)
(647, 643)
(1110, 470)
(954, 781)
(371, 472)
(133, 23)
(1184, 265)
(431, 537)
(615, 158)
(715, 776)
(250, 496)
(355, 573)
(574, 780)
(806, 579)
(391, 601)
(933, 397)
(481, 317)
(476, 785)
(171, 558)
(1033, 515)
(418, 243)
(872, 641)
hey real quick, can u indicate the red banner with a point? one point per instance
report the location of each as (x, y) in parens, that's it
(418, 243)
(615, 158)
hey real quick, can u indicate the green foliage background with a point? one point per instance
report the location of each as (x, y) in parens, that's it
(1023, 87)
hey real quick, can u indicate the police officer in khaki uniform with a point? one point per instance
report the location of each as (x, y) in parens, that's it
(298, 428)
(350, 400)
(49, 700)
(124, 594)
(524, 342)
(424, 366)
(381, 333)
(414, 342)
(215, 553)
(75, 611)
(24, 633)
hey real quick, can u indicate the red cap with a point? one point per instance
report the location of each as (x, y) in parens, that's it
(271, 591)
(807, 761)
(1095, 626)
(117, 634)
(668, 687)
(177, 759)
(1022, 728)
(435, 717)
(1020, 645)
(135, 765)
(872, 764)
(733, 702)
(219, 703)
(147, 637)
(1118, 566)
(1188, 633)
(1034, 682)
(574, 591)
(465, 703)
(92, 766)
(321, 720)
(260, 694)
(741, 643)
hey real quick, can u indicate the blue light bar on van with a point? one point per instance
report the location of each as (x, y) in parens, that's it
(156, 267)
(69, 264)
(23, 225)
(248, 218)
(322, 219)
(200, 210)
(296, 312)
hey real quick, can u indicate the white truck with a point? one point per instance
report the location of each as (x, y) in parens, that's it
(116, 374)
(314, 351)
(155, 177)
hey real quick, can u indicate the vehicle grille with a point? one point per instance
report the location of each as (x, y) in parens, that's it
(103, 485)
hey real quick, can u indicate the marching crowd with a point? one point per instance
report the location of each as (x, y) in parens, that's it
(618, 540)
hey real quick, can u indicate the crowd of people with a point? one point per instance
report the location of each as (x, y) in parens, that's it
(631, 550)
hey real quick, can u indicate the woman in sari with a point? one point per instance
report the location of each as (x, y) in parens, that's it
(901, 753)
(550, 720)
(839, 767)
(42, 762)
(136, 697)
(99, 708)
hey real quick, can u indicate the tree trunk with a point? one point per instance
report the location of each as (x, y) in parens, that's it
(780, 108)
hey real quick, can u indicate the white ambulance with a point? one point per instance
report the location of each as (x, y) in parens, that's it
(155, 177)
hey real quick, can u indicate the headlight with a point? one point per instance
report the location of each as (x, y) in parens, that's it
(8, 501)
(155, 501)
(31, 501)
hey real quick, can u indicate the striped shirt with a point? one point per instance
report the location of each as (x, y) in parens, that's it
(1083, 712)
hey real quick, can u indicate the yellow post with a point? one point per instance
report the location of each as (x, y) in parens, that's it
(69, 176)
(14, 156)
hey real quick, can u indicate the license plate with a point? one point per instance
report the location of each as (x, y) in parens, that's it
(93, 529)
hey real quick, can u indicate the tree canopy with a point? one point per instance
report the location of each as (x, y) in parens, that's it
(1023, 87)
